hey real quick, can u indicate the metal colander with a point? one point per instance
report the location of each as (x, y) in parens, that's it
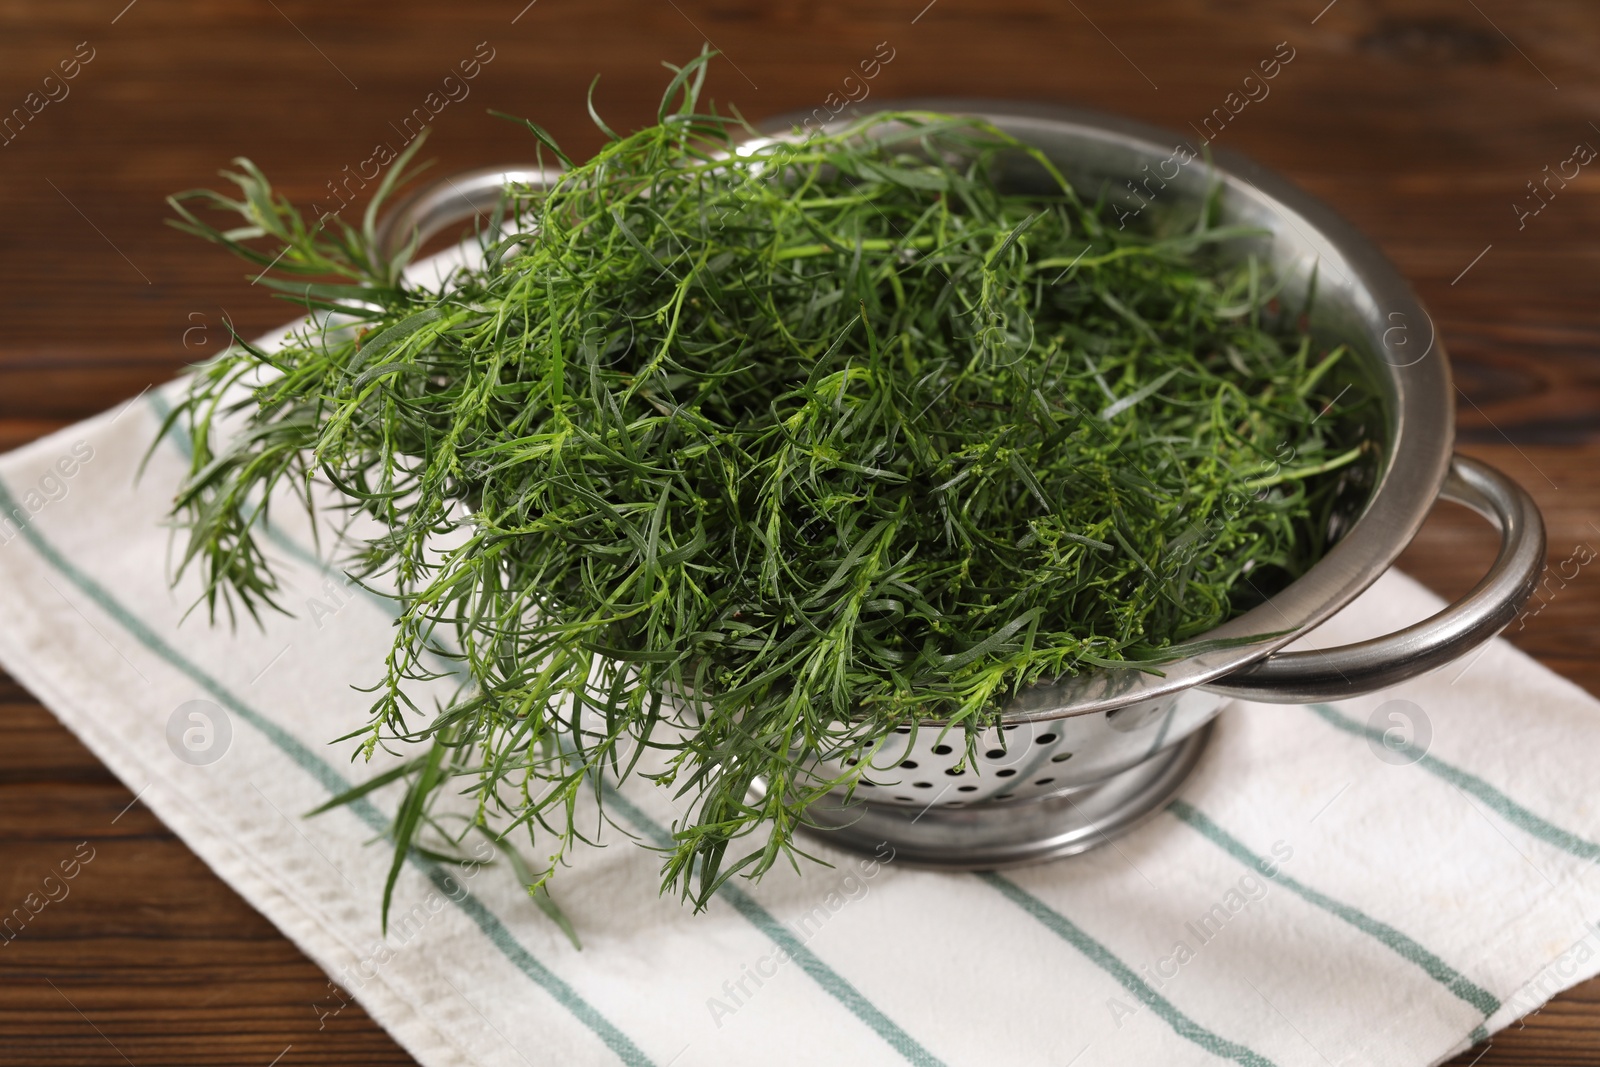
(1082, 759)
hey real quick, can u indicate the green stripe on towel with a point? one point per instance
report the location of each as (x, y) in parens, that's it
(1510, 810)
(329, 779)
(1437, 968)
(836, 984)
(1107, 961)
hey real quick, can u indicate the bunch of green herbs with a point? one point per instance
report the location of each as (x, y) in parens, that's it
(748, 452)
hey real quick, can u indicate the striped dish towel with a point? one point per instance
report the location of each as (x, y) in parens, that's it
(1321, 894)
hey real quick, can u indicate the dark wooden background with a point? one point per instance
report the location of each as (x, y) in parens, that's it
(1421, 120)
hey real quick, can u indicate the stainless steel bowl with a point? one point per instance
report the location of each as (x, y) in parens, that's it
(1080, 760)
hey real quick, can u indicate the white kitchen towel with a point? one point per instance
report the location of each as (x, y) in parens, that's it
(1320, 895)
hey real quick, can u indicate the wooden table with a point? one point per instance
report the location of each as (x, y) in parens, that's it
(1422, 121)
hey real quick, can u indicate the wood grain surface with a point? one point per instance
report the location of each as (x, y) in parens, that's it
(1423, 121)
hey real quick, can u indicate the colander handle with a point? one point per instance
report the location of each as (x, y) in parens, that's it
(450, 200)
(1351, 670)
